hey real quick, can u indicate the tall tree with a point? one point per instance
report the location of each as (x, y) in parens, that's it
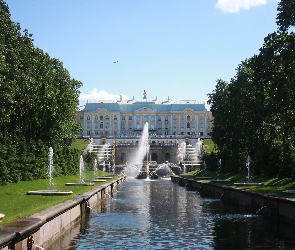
(286, 14)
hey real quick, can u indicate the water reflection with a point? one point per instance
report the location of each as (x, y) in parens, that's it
(161, 215)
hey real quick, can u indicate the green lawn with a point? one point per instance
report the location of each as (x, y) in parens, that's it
(15, 203)
(80, 144)
(209, 145)
(273, 186)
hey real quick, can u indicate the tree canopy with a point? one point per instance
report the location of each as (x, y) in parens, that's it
(254, 114)
(38, 102)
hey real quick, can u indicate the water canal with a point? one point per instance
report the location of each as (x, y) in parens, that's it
(159, 214)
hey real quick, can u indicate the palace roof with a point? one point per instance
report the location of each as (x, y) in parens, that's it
(144, 105)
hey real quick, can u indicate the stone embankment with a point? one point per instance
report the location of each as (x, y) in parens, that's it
(43, 228)
(279, 208)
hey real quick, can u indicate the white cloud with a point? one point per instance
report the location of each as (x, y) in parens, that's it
(233, 6)
(99, 95)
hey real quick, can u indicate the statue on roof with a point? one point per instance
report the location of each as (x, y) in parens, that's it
(144, 94)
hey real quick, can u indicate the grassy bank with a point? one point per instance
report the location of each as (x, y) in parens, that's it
(15, 203)
(272, 186)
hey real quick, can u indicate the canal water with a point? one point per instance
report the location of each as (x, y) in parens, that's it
(159, 214)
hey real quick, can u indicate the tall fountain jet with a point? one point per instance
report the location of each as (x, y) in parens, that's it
(143, 147)
(136, 161)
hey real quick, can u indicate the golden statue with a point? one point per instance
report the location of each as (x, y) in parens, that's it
(144, 94)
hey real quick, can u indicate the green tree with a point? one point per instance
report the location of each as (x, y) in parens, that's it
(286, 14)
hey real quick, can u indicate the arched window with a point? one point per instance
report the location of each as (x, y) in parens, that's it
(96, 117)
(188, 125)
(188, 117)
(88, 117)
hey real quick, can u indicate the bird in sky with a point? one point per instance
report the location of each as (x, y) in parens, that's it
(116, 62)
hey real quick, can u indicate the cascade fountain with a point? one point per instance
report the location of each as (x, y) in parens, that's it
(190, 157)
(81, 176)
(51, 190)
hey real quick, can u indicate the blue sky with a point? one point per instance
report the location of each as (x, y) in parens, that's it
(175, 48)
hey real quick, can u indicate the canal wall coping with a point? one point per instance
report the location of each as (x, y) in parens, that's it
(45, 226)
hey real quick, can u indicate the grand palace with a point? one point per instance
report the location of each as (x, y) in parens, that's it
(121, 122)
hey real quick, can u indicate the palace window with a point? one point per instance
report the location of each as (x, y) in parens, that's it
(182, 118)
(115, 125)
(101, 125)
(188, 117)
(174, 117)
(96, 125)
(159, 118)
(107, 125)
(101, 117)
(107, 117)
(96, 117)
(159, 125)
(188, 125)
(130, 118)
(115, 117)
(123, 118)
(88, 117)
